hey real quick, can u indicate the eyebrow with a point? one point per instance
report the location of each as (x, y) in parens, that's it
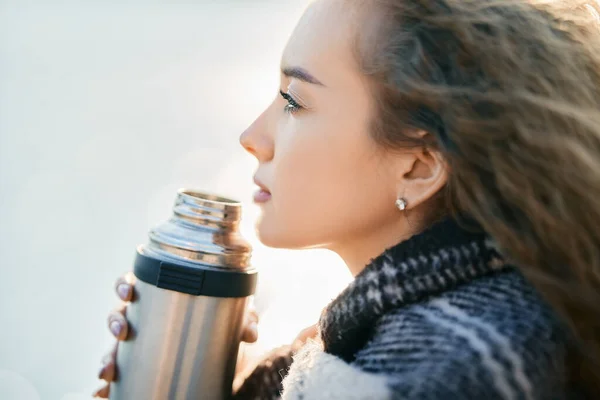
(301, 74)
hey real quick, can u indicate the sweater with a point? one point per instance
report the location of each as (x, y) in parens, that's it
(438, 316)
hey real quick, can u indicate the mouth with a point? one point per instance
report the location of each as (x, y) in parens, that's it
(262, 195)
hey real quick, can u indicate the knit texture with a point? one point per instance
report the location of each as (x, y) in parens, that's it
(439, 316)
(265, 381)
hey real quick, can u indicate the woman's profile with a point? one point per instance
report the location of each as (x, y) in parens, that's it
(449, 152)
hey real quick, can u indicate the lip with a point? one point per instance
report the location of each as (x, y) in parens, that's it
(263, 194)
(261, 185)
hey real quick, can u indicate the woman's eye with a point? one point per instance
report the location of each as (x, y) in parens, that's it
(292, 106)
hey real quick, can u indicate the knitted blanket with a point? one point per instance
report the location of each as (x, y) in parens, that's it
(439, 316)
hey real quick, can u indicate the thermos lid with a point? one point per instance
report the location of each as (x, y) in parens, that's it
(199, 250)
(192, 279)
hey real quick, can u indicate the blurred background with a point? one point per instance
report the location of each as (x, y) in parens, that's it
(106, 109)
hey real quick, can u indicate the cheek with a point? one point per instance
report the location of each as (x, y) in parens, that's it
(326, 185)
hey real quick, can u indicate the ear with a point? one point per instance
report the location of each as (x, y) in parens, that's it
(424, 174)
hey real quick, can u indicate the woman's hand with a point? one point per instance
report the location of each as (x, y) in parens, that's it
(118, 326)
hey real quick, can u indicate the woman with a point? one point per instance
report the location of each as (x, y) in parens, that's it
(449, 152)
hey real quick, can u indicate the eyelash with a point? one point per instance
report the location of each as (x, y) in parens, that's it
(292, 106)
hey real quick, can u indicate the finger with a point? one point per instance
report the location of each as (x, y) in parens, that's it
(117, 324)
(107, 371)
(310, 332)
(124, 287)
(250, 332)
(111, 355)
(252, 315)
(103, 392)
(307, 333)
(296, 345)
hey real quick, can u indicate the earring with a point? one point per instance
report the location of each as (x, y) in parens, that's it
(401, 204)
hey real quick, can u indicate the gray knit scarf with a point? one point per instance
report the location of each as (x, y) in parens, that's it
(442, 302)
(448, 254)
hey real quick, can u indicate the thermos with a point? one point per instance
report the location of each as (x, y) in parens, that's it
(193, 283)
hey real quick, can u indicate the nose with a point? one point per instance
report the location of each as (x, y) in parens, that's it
(258, 140)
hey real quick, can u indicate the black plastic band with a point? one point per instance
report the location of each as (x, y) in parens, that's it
(194, 280)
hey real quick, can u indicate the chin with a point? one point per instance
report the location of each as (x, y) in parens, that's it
(272, 235)
(286, 236)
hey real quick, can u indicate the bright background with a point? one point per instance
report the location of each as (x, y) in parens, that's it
(106, 109)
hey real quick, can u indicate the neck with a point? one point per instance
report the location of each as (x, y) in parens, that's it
(358, 251)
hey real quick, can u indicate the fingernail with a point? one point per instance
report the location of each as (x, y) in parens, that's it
(115, 328)
(123, 290)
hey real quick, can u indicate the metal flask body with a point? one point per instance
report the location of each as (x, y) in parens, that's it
(193, 282)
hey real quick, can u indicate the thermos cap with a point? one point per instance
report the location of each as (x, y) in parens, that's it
(199, 250)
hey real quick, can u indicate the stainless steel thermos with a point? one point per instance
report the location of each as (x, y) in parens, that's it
(193, 281)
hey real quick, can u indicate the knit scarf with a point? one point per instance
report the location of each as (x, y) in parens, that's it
(445, 256)
(448, 254)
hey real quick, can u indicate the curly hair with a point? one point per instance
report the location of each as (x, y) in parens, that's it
(509, 92)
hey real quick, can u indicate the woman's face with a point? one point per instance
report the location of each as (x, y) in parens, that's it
(325, 181)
